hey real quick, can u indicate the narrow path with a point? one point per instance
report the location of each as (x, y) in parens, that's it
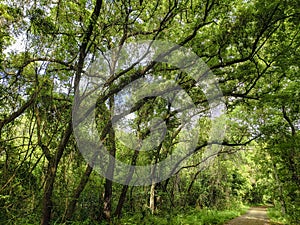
(254, 216)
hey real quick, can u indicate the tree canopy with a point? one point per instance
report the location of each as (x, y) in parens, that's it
(48, 50)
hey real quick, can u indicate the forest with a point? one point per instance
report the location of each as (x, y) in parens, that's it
(149, 112)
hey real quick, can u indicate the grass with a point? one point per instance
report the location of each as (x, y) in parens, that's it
(185, 217)
(276, 217)
(178, 216)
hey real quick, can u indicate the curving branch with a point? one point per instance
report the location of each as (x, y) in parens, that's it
(19, 112)
(287, 118)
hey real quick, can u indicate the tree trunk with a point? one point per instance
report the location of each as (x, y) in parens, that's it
(121, 201)
(122, 198)
(51, 174)
(107, 200)
(53, 164)
(154, 180)
(47, 198)
(132, 202)
(72, 205)
(111, 167)
(152, 198)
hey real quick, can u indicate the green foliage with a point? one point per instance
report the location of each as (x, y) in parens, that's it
(251, 46)
(276, 216)
(186, 216)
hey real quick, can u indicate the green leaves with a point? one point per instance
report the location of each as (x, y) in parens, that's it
(251, 46)
(40, 24)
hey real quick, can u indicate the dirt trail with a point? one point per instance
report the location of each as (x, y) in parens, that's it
(254, 216)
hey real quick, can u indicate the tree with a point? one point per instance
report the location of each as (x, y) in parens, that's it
(251, 47)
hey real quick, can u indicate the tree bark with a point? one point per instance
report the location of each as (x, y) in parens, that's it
(111, 167)
(52, 166)
(47, 198)
(153, 185)
(152, 198)
(72, 205)
(122, 198)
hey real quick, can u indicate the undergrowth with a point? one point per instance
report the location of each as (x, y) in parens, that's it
(178, 216)
(276, 216)
(184, 217)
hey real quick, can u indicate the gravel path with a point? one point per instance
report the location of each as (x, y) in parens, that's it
(255, 216)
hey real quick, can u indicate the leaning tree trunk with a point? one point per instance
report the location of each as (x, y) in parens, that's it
(122, 198)
(72, 205)
(52, 166)
(53, 162)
